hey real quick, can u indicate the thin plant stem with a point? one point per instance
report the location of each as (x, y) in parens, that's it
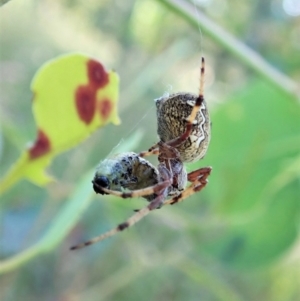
(192, 14)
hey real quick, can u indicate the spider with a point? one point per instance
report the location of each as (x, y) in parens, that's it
(184, 132)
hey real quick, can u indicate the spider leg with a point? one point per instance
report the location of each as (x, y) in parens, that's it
(128, 223)
(201, 172)
(153, 150)
(189, 125)
(199, 181)
(161, 189)
(157, 188)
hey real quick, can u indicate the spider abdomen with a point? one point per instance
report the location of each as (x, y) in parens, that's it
(172, 114)
(125, 171)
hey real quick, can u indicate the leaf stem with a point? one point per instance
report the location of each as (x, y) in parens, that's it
(192, 14)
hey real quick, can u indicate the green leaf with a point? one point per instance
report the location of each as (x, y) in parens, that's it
(255, 153)
(73, 96)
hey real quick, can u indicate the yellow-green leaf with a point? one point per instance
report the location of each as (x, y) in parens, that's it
(73, 96)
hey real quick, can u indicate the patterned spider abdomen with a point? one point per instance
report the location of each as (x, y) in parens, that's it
(125, 171)
(172, 114)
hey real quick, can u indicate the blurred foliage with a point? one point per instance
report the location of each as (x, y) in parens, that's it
(236, 240)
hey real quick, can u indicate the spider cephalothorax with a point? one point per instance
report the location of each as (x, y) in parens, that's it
(184, 132)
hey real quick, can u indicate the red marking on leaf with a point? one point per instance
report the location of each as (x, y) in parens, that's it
(85, 98)
(104, 108)
(97, 75)
(41, 146)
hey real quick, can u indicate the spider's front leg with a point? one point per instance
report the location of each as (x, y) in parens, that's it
(153, 150)
(129, 222)
(155, 189)
(199, 181)
(199, 177)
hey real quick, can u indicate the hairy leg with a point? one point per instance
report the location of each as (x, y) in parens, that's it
(189, 125)
(140, 192)
(128, 223)
(199, 181)
(153, 150)
(199, 178)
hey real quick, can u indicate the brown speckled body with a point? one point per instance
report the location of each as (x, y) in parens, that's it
(172, 112)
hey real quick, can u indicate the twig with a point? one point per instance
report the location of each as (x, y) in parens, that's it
(249, 57)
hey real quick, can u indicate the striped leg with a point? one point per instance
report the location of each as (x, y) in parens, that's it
(157, 188)
(130, 222)
(199, 181)
(189, 126)
(177, 141)
(153, 150)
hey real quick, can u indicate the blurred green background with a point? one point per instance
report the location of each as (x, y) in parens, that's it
(236, 240)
